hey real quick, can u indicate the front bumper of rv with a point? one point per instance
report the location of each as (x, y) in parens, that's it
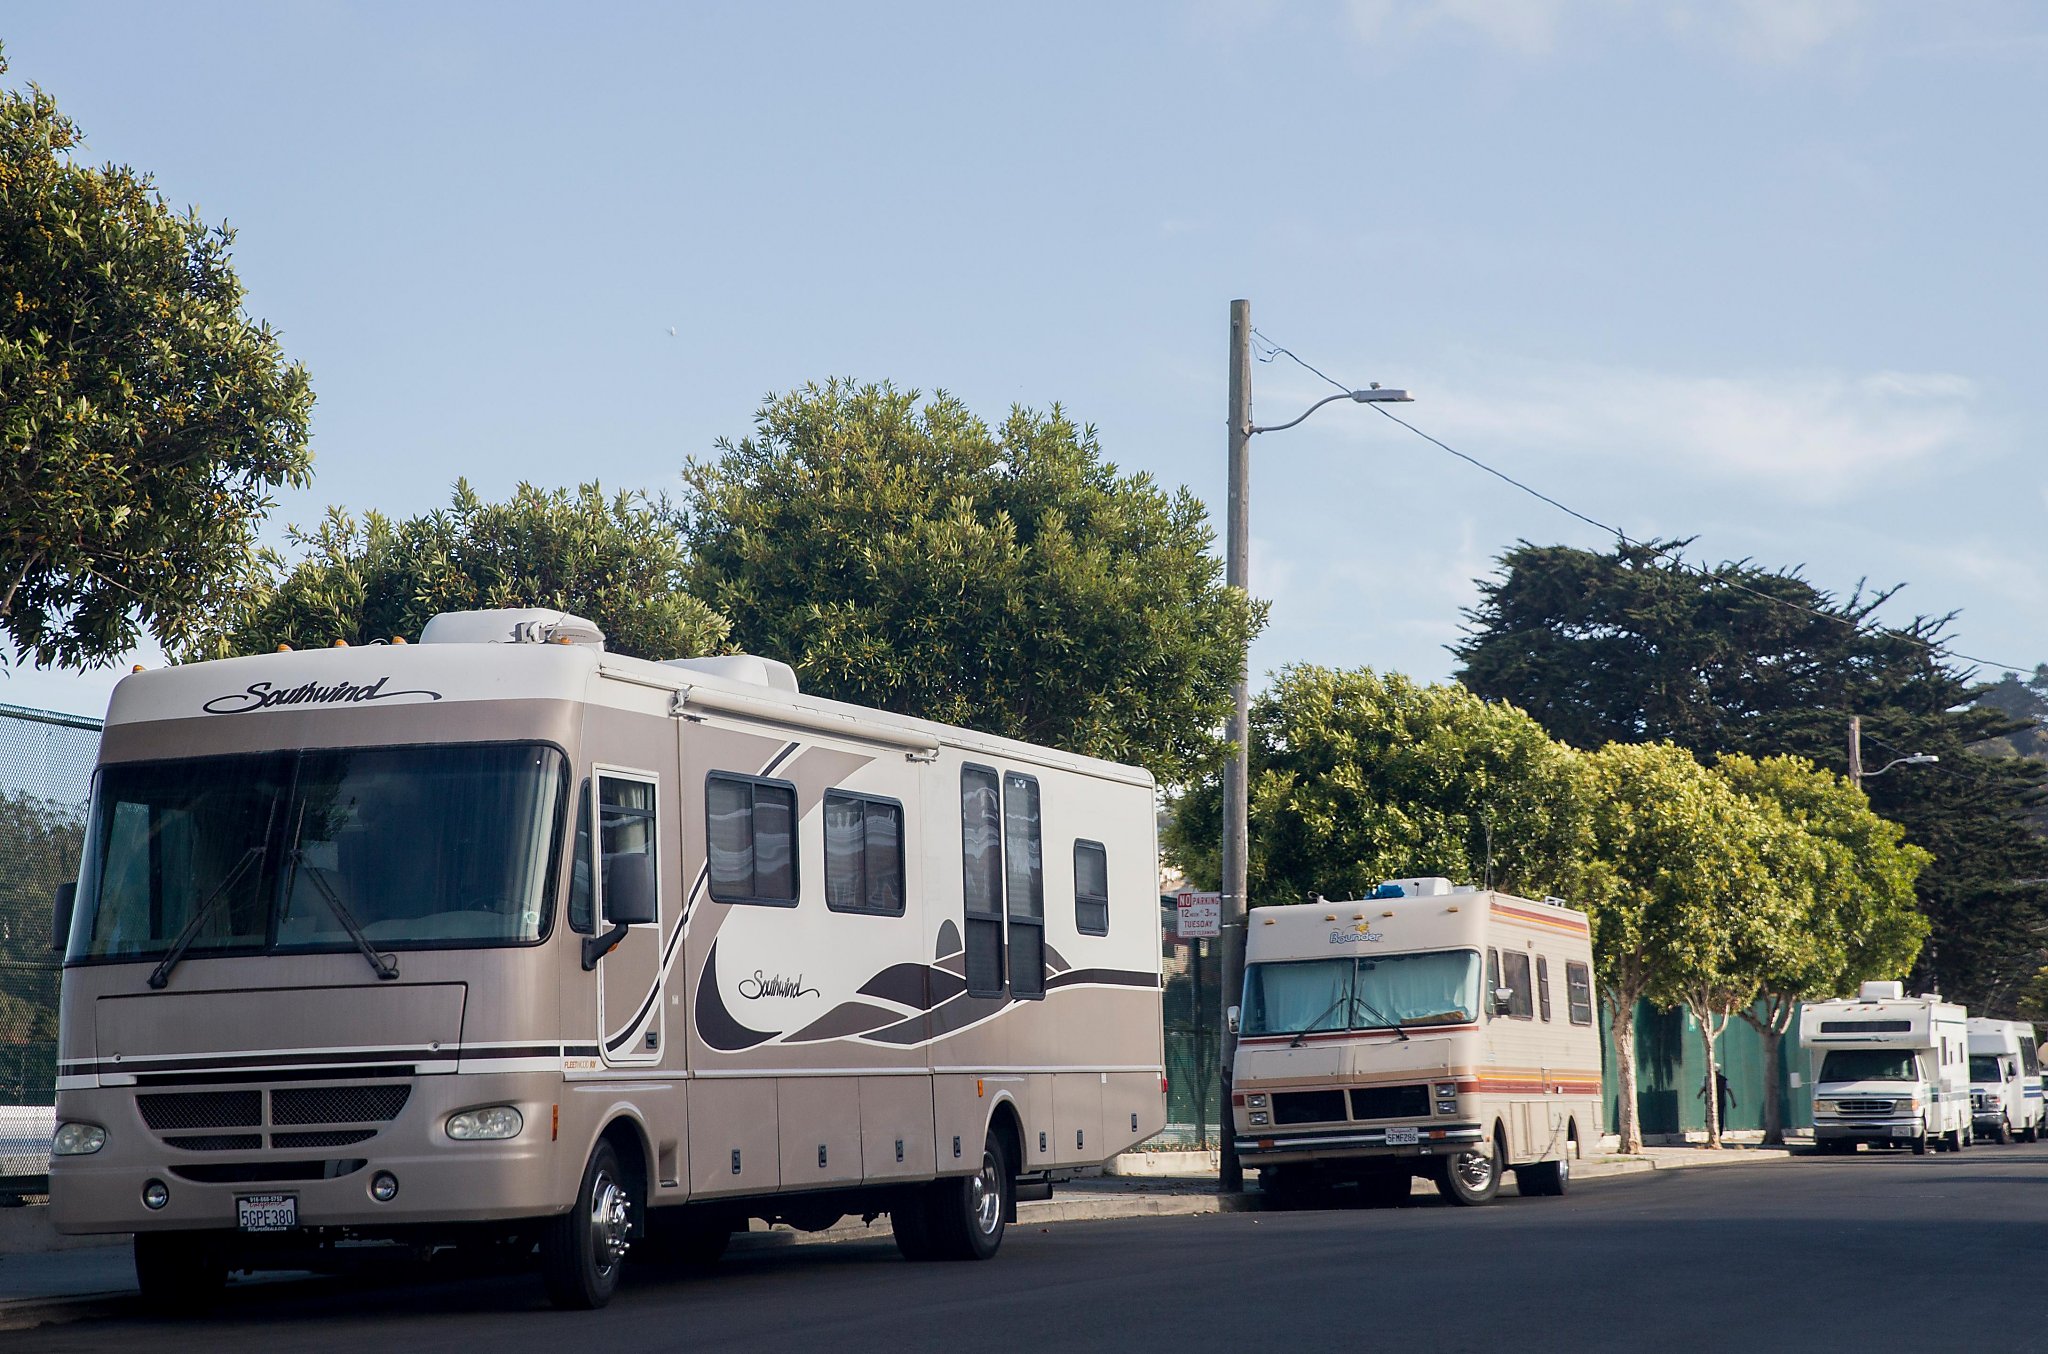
(1280, 1148)
(1866, 1130)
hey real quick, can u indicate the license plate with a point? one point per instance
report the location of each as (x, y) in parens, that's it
(266, 1212)
(1401, 1137)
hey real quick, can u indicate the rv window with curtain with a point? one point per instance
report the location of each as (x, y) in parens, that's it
(1543, 985)
(1514, 974)
(1492, 982)
(1091, 888)
(1578, 988)
(863, 854)
(1024, 881)
(981, 864)
(751, 839)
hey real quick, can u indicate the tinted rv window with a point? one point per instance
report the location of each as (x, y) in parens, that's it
(625, 822)
(1578, 986)
(1515, 974)
(581, 913)
(1492, 981)
(981, 863)
(1024, 881)
(1868, 1064)
(1543, 985)
(1984, 1067)
(1091, 889)
(752, 839)
(863, 854)
(2029, 1058)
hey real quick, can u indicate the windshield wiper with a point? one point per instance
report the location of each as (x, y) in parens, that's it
(1385, 1021)
(385, 966)
(1296, 1041)
(162, 972)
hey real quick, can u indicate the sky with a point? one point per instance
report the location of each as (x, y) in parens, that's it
(1767, 273)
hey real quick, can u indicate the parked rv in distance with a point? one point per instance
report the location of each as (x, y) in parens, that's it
(2005, 1080)
(1888, 1070)
(1447, 1032)
(500, 941)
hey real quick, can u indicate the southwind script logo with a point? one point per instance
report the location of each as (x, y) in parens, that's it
(264, 695)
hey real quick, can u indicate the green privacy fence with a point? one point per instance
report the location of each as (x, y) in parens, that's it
(1671, 1068)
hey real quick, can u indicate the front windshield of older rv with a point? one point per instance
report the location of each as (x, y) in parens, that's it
(1366, 992)
(1984, 1067)
(418, 847)
(1869, 1064)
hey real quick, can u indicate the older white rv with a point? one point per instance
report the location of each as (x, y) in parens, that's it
(1888, 1070)
(2005, 1080)
(1426, 1030)
(501, 940)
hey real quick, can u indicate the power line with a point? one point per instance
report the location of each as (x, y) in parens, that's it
(1668, 553)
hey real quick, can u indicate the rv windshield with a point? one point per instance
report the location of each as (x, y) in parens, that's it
(419, 846)
(1382, 991)
(1984, 1067)
(1869, 1064)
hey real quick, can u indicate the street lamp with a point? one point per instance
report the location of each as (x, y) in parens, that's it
(1857, 775)
(1236, 771)
(1917, 759)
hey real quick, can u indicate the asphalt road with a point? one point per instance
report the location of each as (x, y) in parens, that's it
(1815, 1254)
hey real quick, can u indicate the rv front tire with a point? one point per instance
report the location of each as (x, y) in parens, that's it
(962, 1217)
(582, 1251)
(1545, 1178)
(1471, 1178)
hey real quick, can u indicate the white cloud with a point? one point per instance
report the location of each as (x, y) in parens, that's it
(1783, 32)
(1810, 437)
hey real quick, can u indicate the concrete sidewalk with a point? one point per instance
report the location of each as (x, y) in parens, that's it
(40, 1281)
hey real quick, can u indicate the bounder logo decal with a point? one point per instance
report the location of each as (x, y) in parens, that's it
(264, 695)
(1357, 935)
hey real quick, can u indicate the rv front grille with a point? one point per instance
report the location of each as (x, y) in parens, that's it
(1864, 1106)
(201, 1109)
(266, 1172)
(338, 1137)
(1308, 1107)
(219, 1142)
(338, 1104)
(1390, 1102)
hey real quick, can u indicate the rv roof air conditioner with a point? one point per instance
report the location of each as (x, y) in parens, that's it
(1430, 886)
(512, 625)
(1881, 992)
(742, 667)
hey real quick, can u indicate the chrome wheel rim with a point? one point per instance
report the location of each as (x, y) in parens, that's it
(985, 1195)
(1474, 1170)
(610, 1222)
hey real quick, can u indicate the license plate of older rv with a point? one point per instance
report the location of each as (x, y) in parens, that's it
(1401, 1137)
(267, 1212)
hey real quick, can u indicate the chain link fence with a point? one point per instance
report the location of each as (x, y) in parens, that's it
(46, 765)
(1192, 972)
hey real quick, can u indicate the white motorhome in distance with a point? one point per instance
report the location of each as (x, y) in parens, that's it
(2005, 1080)
(1888, 1070)
(1426, 1030)
(501, 940)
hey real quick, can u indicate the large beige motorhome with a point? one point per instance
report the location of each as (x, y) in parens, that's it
(1432, 1030)
(500, 939)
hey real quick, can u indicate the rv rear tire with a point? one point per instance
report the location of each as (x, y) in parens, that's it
(1952, 1141)
(583, 1250)
(178, 1271)
(964, 1216)
(2003, 1133)
(1471, 1178)
(1920, 1143)
(1545, 1178)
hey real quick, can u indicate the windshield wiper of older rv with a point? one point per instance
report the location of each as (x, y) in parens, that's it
(162, 973)
(1297, 1040)
(1386, 1022)
(384, 965)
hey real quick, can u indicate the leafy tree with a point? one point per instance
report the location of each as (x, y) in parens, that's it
(908, 556)
(39, 849)
(144, 418)
(1673, 868)
(616, 561)
(1358, 777)
(1850, 876)
(1631, 646)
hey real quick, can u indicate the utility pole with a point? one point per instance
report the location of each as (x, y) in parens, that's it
(1856, 751)
(1236, 771)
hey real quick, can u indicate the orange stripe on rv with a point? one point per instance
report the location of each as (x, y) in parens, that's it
(1575, 925)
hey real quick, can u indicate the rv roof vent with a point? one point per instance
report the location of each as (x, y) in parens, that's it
(512, 625)
(1428, 886)
(1881, 992)
(742, 667)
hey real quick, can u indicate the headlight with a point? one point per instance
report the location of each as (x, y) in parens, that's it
(1258, 1119)
(489, 1124)
(1824, 1107)
(1257, 1102)
(77, 1140)
(1445, 1090)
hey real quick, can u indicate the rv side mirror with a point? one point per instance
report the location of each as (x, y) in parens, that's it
(1231, 1017)
(1501, 997)
(60, 915)
(629, 896)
